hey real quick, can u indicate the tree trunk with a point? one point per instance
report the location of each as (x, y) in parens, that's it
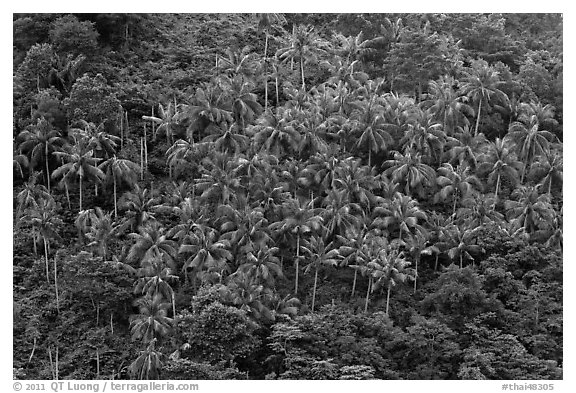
(460, 260)
(455, 200)
(302, 73)
(388, 297)
(56, 284)
(97, 364)
(33, 350)
(277, 94)
(115, 198)
(368, 294)
(80, 193)
(51, 363)
(354, 283)
(297, 262)
(369, 157)
(111, 324)
(314, 291)
(47, 169)
(416, 260)
(67, 195)
(173, 305)
(121, 131)
(46, 258)
(497, 189)
(141, 160)
(265, 73)
(436, 262)
(478, 118)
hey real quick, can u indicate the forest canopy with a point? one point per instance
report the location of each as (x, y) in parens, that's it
(288, 196)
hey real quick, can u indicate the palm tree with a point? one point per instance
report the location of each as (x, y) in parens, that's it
(548, 169)
(445, 104)
(339, 214)
(457, 182)
(44, 222)
(244, 291)
(265, 23)
(477, 210)
(481, 86)
(424, 134)
(355, 253)
(39, 144)
(147, 365)
(150, 243)
(167, 119)
(262, 264)
(141, 205)
(238, 63)
(417, 245)
(219, 180)
(304, 45)
(243, 103)
(408, 169)
(465, 147)
(31, 194)
(390, 269)
(400, 213)
(358, 182)
(499, 162)
(530, 211)
(80, 164)
(459, 240)
(121, 170)
(529, 141)
(154, 277)
(372, 128)
(102, 228)
(298, 220)
(204, 250)
(152, 322)
(274, 133)
(321, 254)
(228, 139)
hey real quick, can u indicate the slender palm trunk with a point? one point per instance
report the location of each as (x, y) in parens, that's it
(173, 305)
(314, 291)
(277, 94)
(354, 283)
(460, 260)
(368, 294)
(56, 284)
(369, 157)
(115, 198)
(141, 160)
(265, 72)
(46, 258)
(497, 189)
(33, 350)
(67, 195)
(297, 262)
(97, 364)
(388, 297)
(302, 73)
(416, 260)
(121, 131)
(80, 193)
(47, 169)
(436, 262)
(478, 118)
(550, 187)
(455, 200)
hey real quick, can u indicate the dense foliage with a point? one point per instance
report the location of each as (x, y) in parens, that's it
(288, 196)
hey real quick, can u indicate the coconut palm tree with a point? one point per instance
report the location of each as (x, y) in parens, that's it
(244, 106)
(167, 119)
(460, 245)
(548, 169)
(530, 211)
(401, 213)
(40, 142)
(424, 135)
(80, 164)
(529, 141)
(389, 269)
(204, 250)
(120, 170)
(31, 194)
(265, 23)
(261, 264)
(275, 134)
(408, 169)
(300, 221)
(499, 163)
(372, 128)
(464, 148)
(244, 291)
(150, 243)
(481, 86)
(101, 230)
(320, 254)
(304, 45)
(154, 279)
(141, 205)
(147, 365)
(418, 245)
(152, 322)
(446, 105)
(339, 214)
(44, 222)
(458, 182)
(227, 139)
